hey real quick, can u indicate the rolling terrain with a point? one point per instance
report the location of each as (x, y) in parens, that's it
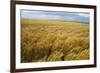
(52, 40)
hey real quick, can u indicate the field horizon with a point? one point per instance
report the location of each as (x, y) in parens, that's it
(52, 20)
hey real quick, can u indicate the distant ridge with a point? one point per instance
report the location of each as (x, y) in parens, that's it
(56, 20)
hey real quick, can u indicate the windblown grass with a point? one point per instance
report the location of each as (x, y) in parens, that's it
(49, 40)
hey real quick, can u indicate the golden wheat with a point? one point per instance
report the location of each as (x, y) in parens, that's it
(48, 40)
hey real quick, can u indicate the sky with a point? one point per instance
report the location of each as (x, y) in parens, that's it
(56, 15)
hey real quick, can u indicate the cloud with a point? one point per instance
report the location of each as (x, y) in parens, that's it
(55, 15)
(84, 14)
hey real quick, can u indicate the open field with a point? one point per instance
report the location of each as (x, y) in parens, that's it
(49, 40)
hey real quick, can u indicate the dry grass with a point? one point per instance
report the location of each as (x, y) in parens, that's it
(48, 40)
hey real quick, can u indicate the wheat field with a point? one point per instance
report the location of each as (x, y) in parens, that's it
(52, 40)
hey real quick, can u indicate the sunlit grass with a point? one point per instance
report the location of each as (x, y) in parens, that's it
(49, 40)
